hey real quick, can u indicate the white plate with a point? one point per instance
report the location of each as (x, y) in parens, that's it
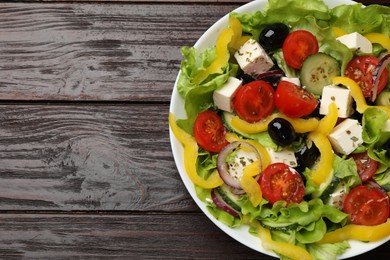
(177, 108)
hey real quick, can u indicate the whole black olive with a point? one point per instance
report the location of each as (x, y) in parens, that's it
(306, 156)
(244, 77)
(281, 131)
(273, 36)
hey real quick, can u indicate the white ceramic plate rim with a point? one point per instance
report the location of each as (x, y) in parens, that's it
(240, 234)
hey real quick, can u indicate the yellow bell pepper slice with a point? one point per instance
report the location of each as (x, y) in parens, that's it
(191, 156)
(238, 40)
(250, 185)
(289, 250)
(358, 232)
(357, 94)
(265, 159)
(338, 31)
(300, 125)
(379, 38)
(329, 121)
(324, 167)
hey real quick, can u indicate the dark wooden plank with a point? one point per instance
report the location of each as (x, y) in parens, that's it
(96, 52)
(135, 236)
(88, 157)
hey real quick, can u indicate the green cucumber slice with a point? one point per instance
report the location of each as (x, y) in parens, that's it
(317, 72)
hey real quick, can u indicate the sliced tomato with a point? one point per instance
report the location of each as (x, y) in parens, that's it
(209, 131)
(361, 70)
(367, 206)
(366, 166)
(294, 101)
(281, 182)
(298, 46)
(254, 101)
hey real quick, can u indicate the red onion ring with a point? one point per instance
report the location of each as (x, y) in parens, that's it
(270, 73)
(374, 184)
(220, 203)
(382, 64)
(222, 165)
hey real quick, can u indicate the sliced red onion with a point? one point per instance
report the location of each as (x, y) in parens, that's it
(374, 184)
(220, 203)
(382, 64)
(270, 73)
(222, 165)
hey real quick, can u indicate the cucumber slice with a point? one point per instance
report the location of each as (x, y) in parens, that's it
(274, 226)
(317, 72)
(230, 198)
(383, 99)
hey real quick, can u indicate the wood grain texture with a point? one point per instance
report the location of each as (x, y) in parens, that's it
(96, 52)
(88, 157)
(134, 236)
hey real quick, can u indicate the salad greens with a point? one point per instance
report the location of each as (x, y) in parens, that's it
(305, 223)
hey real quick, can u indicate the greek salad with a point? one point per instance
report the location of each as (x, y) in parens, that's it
(288, 125)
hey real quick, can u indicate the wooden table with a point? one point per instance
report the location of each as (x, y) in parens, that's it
(85, 161)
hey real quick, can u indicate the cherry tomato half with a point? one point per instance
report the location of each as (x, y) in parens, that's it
(294, 101)
(361, 70)
(281, 182)
(254, 101)
(367, 206)
(209, 131)
(298, 46)
(366, 166)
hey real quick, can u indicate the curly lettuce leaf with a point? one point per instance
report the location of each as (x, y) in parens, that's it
(356, 18)
(373, 121)
(327, 251)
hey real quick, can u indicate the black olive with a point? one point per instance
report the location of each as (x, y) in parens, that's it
(244, 77)
(281, 131)
(306, 156)
(273, 36)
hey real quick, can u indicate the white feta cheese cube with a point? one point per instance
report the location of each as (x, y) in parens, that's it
(346, 136)
(338, 95)
(295, 81)
(283, 156)
(223, 97)
(253, 59)
(356, 41)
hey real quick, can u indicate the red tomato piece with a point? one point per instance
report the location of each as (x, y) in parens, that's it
(361, 70)
(209, 131)
(298, 46)
(366, 166)
(294, 101)
(281, 182)
(254, 101)
(367, 206)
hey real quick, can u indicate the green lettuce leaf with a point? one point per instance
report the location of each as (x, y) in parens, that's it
(327, 251)
(383, 179)
(373, 122)
(356, 18)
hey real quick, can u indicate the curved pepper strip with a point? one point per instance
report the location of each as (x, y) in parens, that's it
(238, 40)
(191, 157)
(289, 250)
(300, 125)
(250, 185)
(221, 59)
(357, 94)
(265, 159)
(230, 37)
(329, 121)
(379, 38)
(324, 167)
(357, 232)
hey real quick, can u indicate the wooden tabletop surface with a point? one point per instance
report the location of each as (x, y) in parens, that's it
(86, 168)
